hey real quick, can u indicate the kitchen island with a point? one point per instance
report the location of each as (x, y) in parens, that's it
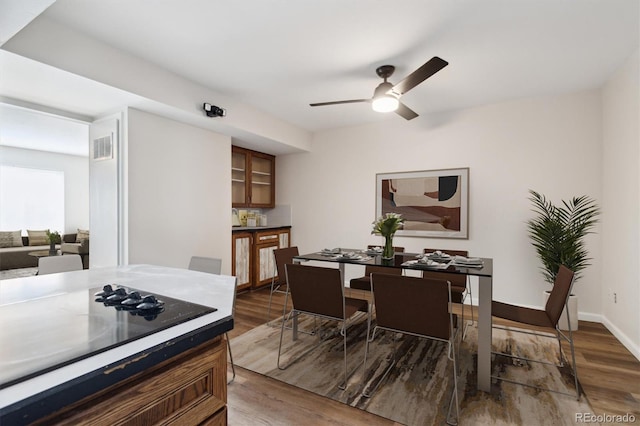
(67, 359)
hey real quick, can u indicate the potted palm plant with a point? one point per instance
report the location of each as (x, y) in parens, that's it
(557, 233)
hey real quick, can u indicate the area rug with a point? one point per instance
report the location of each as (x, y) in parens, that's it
(418, 389)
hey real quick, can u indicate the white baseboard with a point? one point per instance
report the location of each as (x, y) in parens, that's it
(588, 316)
(623, 338)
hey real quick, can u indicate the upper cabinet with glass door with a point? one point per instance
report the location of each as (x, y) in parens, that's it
(252, 178)
(239, 181)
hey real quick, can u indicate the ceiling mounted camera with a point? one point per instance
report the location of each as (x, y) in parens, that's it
(214, 111)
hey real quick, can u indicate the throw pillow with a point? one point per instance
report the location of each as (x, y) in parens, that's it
(17, 238)
(38, 238)
(83, 234)
(6, 239)
(10, 239)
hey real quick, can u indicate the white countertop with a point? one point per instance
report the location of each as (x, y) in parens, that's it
(197, 287)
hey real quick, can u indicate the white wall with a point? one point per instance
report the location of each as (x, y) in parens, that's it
(166, 92)
(550, 144)
(621, 202)
(179, 192)
(105, 199)
(76, 180)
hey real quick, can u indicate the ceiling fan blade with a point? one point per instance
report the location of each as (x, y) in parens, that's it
(429, 68)
(352, 101)
(406, 112)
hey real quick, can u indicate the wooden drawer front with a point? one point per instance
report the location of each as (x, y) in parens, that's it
(262, 238)
(219, 419)
(188, 391)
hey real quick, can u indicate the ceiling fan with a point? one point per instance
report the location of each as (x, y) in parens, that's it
(386, 97)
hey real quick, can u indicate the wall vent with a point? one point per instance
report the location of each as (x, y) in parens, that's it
(103, 148)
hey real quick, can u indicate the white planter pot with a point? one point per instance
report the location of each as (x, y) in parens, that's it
(573, 312)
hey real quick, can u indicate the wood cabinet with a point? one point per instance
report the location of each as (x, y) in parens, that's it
(252, 255)
(242, 258)
(265, 243)
(187, 389)
(252, 178)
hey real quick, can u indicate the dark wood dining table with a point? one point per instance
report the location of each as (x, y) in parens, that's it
(485, 291)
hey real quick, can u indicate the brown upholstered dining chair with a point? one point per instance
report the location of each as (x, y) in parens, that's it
(319, 292)
(460, 290)
(282, 257)
(363, 283)
(547, 317)
(418, 307)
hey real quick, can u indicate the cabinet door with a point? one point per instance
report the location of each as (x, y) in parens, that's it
(284, 238)
(239, 181)
(252, 178)
(262, 180)
(265, 265)
(241, 256)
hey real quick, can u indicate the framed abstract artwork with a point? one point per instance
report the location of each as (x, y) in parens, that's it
(433, 203)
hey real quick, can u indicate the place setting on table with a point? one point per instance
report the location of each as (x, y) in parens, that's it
(440, 260)
(386, 226)
(436, 260)
(351, 255)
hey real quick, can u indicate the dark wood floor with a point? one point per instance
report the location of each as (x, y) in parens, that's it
(608, 372)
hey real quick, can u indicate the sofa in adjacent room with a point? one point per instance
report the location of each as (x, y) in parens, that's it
(15, 249)
(77, 244)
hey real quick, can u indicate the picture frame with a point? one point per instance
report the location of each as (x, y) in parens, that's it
(433, 203)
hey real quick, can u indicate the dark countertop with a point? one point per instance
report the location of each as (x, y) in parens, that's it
(258, 228)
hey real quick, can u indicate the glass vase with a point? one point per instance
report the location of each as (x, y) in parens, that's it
(387, 251)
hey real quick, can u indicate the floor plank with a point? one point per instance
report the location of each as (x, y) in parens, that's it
(257, 400)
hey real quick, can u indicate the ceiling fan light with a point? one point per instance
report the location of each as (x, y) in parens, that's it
(385, 103)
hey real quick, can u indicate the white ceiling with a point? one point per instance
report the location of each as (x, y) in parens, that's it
(17, 13)
(25, 128)
(281, 55)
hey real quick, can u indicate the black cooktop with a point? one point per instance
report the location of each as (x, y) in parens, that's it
(41, 335)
